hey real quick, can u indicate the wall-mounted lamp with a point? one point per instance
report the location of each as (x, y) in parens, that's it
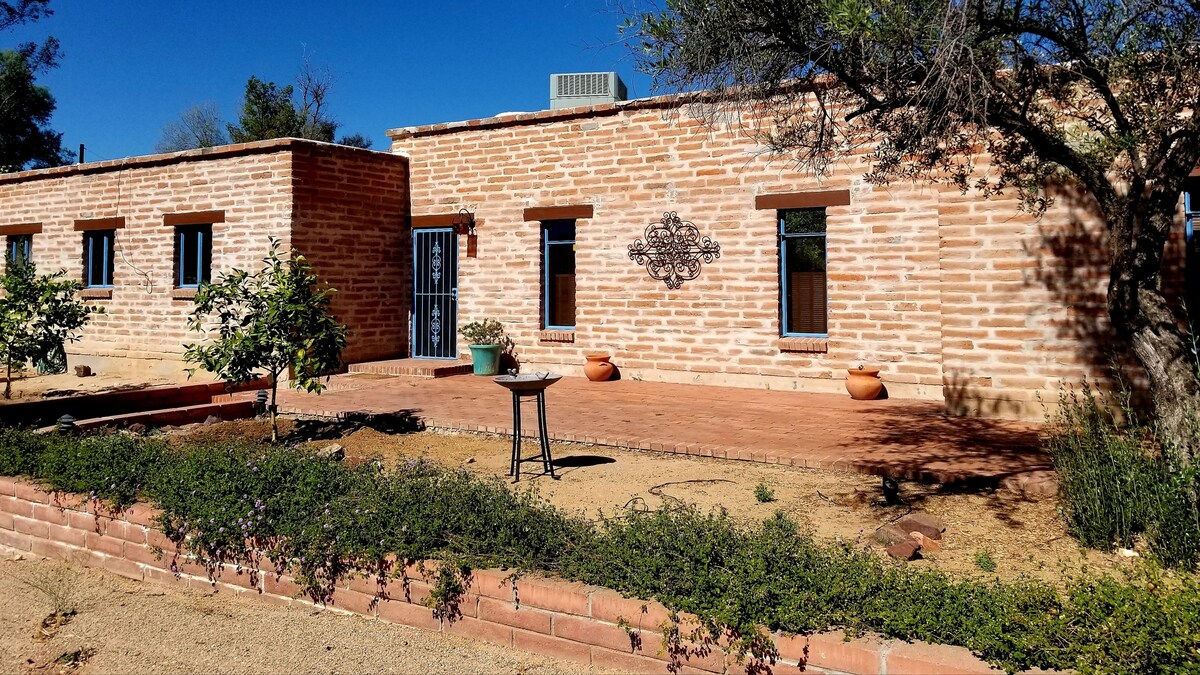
(464, 222)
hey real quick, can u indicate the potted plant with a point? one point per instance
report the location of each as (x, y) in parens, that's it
(863, 383)
(487, 341)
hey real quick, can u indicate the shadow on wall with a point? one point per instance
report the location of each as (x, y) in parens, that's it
(964, 395)
(1073, 265)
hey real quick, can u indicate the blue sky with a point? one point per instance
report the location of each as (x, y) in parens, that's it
(130, 67)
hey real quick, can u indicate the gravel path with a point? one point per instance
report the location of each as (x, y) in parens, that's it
(145, 628)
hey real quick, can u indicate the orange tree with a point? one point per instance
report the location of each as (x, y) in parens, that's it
(270, 321)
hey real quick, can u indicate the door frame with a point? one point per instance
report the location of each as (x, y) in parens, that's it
(452, 333)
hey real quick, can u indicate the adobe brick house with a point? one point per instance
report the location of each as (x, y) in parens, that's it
(955, 297)
(785, 282)
(142, 232)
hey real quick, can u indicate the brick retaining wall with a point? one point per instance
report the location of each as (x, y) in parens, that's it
(556, 618)
(107, 404)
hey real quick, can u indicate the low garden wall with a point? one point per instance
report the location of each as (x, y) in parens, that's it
(113, 404)
(560, 619)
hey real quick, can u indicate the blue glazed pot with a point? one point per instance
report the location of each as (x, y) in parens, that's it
(485, 359)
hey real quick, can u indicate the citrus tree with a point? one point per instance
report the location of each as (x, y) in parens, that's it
(268, 322)
(38, 314)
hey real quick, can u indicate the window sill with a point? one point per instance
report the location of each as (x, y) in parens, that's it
(96, 293)
(803, 345)
(183, 293)
(556, 336)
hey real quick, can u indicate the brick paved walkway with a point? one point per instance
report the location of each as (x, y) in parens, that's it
(902, 438)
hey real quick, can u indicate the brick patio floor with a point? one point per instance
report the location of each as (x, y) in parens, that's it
(902, 438)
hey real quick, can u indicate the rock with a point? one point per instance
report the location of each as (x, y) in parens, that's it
(905, 550)
(470, 460)
(83, 371)
(211, 419)
(890, 535)
(927, 544)
(1128, 553)
(136, 428)
(332, 451)
(928, 525)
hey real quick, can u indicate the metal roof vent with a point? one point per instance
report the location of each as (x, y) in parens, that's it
(569, 90)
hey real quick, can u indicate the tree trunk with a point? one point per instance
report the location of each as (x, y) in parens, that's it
(274, 421)
(1174, 389)
(1155, 331)
(8, 380)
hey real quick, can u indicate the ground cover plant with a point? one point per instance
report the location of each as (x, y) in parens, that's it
(321, 520)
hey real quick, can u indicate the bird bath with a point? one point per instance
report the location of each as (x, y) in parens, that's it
(529, 385)
(527, 382)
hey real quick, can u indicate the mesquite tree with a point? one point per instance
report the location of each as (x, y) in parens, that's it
(268, 322)
(38, 314)
(1098, 94)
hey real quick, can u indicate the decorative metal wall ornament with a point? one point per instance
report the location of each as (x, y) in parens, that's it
(673, 250)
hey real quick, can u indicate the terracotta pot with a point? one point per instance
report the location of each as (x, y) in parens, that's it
(597, 368)
(863, 383)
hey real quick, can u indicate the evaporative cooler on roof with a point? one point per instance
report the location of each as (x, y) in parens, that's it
(569, 90)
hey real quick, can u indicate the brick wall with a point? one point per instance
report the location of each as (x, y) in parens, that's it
(351, 210)
(954, 297)
(261, 189)
(560, 619)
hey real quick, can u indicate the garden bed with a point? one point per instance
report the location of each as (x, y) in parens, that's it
(318, 526)
(1022, 537)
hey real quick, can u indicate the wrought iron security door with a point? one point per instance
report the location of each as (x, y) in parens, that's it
(435, 294)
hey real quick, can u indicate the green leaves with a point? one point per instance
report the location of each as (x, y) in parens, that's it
(486, 332)
(270, 321)
(322, 520)
(38, 314)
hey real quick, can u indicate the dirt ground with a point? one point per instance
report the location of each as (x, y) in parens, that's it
(1024, 538)
(31, 386)
(124, 626)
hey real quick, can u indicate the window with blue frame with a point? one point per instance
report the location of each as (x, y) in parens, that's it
(18, 248)
(98, 247)
(558, 274)
(803, 283)
(193, 255)
(1191, 215)
(1191, 210)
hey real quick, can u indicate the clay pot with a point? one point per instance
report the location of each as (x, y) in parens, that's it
(597, 368)
(863, 383)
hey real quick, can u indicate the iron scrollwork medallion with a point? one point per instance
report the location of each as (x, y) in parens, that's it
(673, 250)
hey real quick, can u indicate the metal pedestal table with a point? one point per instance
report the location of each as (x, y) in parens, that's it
(524, 387)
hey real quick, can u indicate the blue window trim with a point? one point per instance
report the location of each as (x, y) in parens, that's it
(106, 240)
(547, 242)
(24, 241)
(203, 234)
(783, 275)
(1191, 211)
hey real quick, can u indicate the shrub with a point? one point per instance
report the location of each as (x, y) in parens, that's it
(1116, 485)
(486, 332)
(985, 561)
(763, 494)
(322, 520)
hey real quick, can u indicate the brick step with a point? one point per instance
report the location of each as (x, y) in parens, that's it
(429, 368)
(231, 410)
